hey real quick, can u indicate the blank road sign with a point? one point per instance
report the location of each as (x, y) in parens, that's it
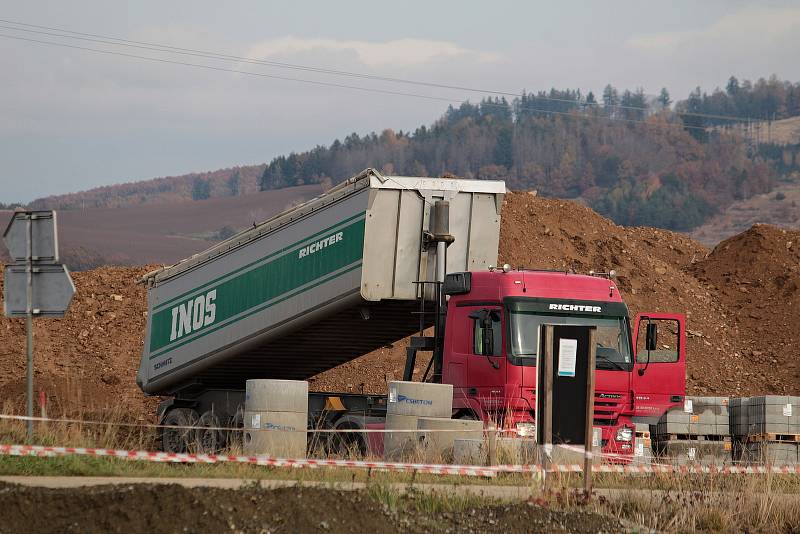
(52, 290)
(44, 236)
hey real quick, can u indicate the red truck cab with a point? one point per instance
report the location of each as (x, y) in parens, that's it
(496, 381)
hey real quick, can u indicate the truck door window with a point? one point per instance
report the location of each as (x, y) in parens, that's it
(480, 332)
(667, 350)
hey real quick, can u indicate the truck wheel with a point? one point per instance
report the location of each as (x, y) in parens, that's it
(179, 440)
(233, 438)
(347, 443)
(210, 440)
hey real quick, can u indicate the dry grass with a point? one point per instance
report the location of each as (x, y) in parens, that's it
(680, 503)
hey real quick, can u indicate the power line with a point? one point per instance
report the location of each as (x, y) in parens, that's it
(348, 86)
(116, 41)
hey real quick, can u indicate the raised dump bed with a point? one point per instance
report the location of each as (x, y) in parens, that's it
(314, 287)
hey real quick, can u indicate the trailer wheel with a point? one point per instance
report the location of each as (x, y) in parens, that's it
(209, 439)
(234, 438)
(179, 440)
(347, 443)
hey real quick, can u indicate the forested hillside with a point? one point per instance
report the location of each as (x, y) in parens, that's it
(637, 159)
(634, 165)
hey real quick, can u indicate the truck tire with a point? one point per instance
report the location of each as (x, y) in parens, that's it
(179, 440)
(210, 440)
(347, 444)
(233, 438)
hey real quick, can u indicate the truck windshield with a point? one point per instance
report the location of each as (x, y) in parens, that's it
(613, 348)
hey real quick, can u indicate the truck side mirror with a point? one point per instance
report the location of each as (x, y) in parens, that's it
(488, 338)
(651, 340)
(488, 325)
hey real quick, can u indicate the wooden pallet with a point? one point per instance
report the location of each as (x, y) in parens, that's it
(770, 436)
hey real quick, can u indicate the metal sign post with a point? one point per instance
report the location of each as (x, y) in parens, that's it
(29, 324)
(35, 284)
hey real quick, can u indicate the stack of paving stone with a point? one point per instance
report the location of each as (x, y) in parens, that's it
(697, 433)
(773, 429)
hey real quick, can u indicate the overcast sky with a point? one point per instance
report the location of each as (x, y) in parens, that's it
(74, 119)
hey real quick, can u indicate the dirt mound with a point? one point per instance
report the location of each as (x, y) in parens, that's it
(756, 279)
(742, 302)
(172, 508)
(86, 362)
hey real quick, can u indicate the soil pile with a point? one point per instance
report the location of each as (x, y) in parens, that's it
(742, 303)
(85, 362)
(756, 278)
(172, 508)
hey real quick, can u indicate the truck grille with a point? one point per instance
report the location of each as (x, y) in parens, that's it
(607, 410)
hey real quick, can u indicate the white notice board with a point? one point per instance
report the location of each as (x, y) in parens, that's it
(567, 356)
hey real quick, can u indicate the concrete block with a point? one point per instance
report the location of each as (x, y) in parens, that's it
(517, 450)
(277, 434)
(693, 452)
(401, 445)
(420, 399)
(469, 451)
(263, 442)
(281, 421)
(738, 420)
(710, 407)
(775, 414)
(691, 429)
(437, 443)
(276, 396)
(773, 453)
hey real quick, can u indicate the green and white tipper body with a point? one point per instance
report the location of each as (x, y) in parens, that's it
(314, 287)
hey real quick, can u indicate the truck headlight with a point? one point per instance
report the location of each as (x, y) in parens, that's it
(526, 429)
(624, 434)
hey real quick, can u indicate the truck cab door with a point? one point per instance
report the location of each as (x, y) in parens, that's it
(658, 381)
(486, 363)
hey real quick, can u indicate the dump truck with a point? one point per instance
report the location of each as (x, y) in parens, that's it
(372, 261)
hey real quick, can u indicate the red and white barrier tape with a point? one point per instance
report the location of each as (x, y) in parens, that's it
(435, 469)
(170, 457)
(9, 417)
